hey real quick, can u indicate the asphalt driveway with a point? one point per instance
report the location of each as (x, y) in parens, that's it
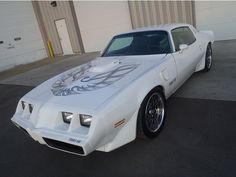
(220, 82)
(198, 139)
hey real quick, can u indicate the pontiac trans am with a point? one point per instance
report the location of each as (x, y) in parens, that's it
(106, 103)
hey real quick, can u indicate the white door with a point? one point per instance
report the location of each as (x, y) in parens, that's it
(64, 37)
(187, 59)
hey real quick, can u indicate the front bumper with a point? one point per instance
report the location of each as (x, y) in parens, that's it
(60, 140)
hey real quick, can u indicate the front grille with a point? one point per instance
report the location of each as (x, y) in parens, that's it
(64, 146)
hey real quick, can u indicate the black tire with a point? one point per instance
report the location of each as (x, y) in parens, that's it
(208, 59)
(152, 114)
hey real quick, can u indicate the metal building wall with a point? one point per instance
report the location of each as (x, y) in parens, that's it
(149, 13)
(50, 14)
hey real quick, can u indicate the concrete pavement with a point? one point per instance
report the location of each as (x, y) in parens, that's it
(44, 72)
(220, 82)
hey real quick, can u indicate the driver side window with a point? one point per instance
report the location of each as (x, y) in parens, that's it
(182, 35)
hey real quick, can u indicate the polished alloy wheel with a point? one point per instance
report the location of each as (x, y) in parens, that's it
(154, 112)
(209, 57)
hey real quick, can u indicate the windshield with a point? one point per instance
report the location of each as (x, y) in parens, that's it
(139, 43)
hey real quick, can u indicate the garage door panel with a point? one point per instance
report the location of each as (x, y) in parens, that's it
(208, 5)
(8, 61)
(224, 31)
(217, 16)
(19, 49)
(18, 21)
(99, 21)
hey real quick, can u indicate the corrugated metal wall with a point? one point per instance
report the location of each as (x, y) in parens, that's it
(149, 13)
(50, 14)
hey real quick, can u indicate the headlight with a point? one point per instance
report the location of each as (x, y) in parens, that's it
(23, 104)
(31, 107)
(85, 120)
(67, 116)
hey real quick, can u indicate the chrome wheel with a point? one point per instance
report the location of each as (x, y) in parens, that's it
(154, 112)
(209, 57)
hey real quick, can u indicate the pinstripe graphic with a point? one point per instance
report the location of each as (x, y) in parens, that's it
(117, 124)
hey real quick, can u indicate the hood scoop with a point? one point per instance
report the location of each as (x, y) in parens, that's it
(103, 65)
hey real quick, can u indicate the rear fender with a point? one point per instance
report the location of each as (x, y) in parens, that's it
(201, 65)
(209, 35)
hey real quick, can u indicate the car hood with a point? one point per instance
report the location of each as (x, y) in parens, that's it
(90, 85)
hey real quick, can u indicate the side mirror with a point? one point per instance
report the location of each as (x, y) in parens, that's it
(183, 47)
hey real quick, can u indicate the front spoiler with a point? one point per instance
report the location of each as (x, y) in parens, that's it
(62, 141)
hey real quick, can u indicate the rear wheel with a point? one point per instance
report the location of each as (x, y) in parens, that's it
(152, 114)
(208, 59)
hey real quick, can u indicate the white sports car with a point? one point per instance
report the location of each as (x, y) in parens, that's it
(106, 103)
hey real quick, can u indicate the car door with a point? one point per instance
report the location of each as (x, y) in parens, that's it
(187, 57)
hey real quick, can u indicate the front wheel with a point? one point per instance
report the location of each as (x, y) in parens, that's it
(152, 114)
(208, 59)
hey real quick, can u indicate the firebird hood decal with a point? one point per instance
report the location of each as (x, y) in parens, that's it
(83, 80)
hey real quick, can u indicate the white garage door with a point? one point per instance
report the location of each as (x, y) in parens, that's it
(100, 20)
(219, 16)
(20, 38)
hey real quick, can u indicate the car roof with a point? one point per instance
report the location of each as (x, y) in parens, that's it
(162, 27)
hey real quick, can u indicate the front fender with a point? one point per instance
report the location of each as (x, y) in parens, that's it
(126, 103)
(164, 76)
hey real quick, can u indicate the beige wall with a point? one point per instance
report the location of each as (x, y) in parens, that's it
(49, 15)
(149, 13)
(99, 21)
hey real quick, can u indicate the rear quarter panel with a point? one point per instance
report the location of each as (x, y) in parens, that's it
(205, 37)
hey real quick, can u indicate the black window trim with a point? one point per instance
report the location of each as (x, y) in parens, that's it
(183, 27)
